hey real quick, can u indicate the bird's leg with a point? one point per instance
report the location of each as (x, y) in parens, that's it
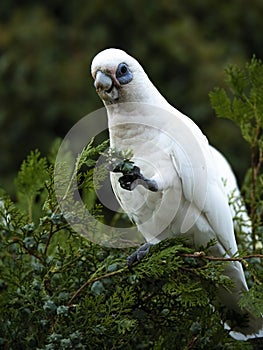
(133, 178)
(139, 254)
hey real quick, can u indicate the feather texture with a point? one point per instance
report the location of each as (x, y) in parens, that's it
(170, 149)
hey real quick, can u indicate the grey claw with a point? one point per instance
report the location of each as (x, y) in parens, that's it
(139, 254)
(150, 185)
(133, 178)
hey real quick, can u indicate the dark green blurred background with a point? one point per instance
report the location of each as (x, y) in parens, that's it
(46, 48)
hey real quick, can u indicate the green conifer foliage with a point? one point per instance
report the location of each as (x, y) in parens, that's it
(243, 104)
(60, 291)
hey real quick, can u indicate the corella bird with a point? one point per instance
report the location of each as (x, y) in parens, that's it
(176, 187)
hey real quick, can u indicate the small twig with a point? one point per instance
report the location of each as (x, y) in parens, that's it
(200, 255)
(49, 239)
(32, 253)
(260, 161)
(192, 342)
(215, 258)
(92, 280)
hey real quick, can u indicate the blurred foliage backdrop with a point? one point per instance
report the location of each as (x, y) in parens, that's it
(46, 49)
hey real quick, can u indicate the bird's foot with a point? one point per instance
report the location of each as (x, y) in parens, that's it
(133, 178)
(139, 254)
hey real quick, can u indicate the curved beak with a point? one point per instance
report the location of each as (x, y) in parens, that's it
(103, 82)
(105, 86)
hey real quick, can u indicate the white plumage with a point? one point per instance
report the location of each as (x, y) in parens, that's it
(190, 199)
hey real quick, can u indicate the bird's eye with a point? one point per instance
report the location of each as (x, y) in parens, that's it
(123, 74)
(123, 69)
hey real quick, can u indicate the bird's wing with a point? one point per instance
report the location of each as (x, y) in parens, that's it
(202, 186)
(242, 222)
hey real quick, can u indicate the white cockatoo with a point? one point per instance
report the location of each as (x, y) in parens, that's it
(176, 188)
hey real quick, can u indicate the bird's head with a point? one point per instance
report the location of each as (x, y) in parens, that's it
(119, 78)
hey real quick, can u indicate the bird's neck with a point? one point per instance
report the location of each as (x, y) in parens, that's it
(146, 92)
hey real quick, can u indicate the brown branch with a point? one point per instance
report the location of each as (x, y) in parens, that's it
(32, 253)
(260, 161)
(216, 258)
(200, 255)
(50, 235)
(92, 280)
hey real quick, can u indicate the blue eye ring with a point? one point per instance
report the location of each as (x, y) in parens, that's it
(121, 70)
(123, 74)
